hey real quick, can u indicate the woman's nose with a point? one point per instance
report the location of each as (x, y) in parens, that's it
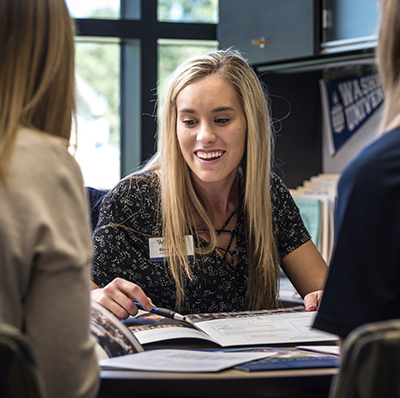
(205, 133)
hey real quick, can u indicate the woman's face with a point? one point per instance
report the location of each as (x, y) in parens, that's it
(211, 129)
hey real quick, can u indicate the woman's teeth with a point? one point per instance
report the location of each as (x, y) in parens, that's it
(209, 155)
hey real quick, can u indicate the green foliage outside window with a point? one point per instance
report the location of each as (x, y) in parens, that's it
(202, 11)
(172, 53)
(98, 64)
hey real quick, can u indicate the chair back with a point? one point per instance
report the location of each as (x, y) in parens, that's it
(370, 365)
(95, 197)
(19, 376)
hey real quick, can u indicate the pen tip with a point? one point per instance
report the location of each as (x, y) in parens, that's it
(179, 317)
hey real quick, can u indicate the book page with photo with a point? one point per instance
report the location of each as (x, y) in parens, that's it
(112, 336)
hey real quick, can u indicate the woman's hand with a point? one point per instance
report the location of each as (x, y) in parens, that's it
(118, 297)
(312, 300)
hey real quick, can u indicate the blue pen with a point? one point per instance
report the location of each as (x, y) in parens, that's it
(163, 312)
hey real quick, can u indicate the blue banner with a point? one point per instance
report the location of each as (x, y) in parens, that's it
(352, 101)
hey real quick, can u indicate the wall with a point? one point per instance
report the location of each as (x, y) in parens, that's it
(300, 121)
(296, 114)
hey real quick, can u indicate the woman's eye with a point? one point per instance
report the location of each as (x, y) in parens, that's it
(221, 121)
(188, 122)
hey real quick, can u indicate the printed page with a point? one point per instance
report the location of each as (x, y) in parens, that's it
(160, 333)
(113, 338)
(258, 328)
(151, 328)
(183, 360)
(325, 349)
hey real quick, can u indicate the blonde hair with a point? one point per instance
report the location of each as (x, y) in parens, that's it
(178, 192)
(36, 71)
(388, 59)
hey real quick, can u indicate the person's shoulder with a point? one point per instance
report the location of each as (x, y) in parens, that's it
(36, 143)
(276, 182)
(143, 184)
(275, 179)
(384, 148)
(141, 180)
(377, 160)
(44, 176)
(38, 153)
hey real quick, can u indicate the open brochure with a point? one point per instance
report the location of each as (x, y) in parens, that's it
(263, 327)
(118, 346)
(113, 338)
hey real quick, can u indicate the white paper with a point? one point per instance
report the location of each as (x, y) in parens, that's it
(182, 360)
(325, 349)
(271, 329)
(168, 333)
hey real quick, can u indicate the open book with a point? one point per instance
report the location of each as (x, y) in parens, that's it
(279, 326)
(113, 338)
(118, 346)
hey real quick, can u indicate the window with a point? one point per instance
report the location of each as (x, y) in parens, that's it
(123, 49)
(97, 75)
(99, 9)
(171, 53)
(205, 11)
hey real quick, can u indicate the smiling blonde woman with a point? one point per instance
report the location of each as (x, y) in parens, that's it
(210, 183)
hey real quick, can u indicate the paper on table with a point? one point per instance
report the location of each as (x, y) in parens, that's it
(153, 335)
(245, 328)
(326, 349)
(272, 329)
(182, 360)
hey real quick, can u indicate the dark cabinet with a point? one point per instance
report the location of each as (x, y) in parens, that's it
(270, 30)
(350, 20)
(293, 45)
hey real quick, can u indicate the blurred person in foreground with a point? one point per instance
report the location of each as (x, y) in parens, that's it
(364, 277)
(45, 243)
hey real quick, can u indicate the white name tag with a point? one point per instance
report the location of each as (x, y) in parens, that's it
(158, 253)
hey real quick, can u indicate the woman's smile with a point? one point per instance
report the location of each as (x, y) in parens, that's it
(209, 155)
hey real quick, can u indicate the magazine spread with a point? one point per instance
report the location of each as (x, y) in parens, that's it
(280, 326)
(112, 336)
(118, 346)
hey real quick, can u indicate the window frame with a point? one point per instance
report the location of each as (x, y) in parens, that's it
(138, 78)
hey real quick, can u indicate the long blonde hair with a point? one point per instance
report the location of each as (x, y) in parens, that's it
(177, 191)
(388, 58)
(36, 71)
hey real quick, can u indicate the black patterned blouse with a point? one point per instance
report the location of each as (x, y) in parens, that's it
(130, 216)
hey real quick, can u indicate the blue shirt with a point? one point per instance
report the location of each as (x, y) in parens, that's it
(363, 284)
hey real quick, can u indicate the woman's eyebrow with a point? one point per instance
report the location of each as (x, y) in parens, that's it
(222, 109)
(186, 110)
(216, 110)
